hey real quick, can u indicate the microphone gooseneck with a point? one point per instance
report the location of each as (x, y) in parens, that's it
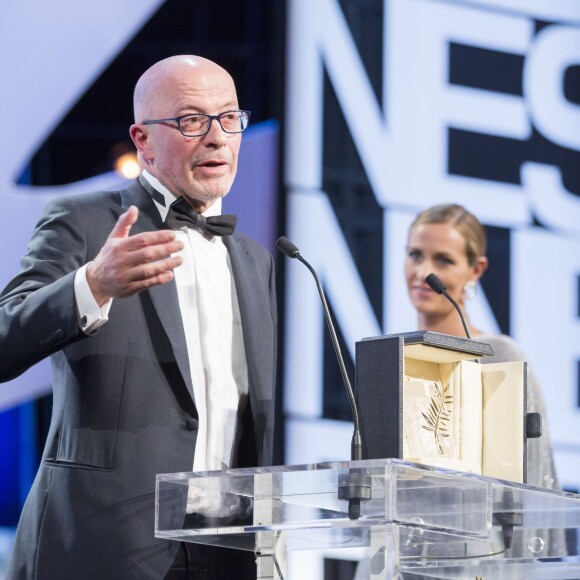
(437, 286)
(357, 486)
(290, 250)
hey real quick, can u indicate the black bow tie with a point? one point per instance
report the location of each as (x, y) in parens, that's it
(181, 214)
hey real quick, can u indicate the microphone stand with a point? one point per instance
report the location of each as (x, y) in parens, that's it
(436, 285)
(509, 513)
(356, 486)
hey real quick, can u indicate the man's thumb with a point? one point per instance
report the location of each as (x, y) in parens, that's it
(124, 223)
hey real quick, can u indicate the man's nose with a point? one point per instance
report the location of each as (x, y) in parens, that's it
(216, 134)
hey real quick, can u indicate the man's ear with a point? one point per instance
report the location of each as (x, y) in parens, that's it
(141, 138)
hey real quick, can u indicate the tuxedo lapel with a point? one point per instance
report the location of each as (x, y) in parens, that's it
(166, 303)
(163, 296)
(259, 327)
(251, 299)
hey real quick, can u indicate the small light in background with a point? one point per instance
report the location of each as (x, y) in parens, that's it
(127, 165)
(124, 159)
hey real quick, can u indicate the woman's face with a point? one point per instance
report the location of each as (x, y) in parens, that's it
(439, 249)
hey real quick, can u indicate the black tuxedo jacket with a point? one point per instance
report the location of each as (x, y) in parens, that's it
(123, 406)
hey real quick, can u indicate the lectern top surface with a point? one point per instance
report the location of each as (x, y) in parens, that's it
(439, 340)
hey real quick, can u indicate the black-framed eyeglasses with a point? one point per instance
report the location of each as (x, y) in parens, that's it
(198, 124)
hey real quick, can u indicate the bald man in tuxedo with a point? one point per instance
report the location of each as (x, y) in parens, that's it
(160, 320)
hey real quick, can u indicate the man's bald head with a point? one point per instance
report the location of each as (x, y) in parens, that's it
(159, 78)
(201, 168)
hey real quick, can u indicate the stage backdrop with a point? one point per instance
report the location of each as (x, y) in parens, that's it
(391, 106)
(396, 105)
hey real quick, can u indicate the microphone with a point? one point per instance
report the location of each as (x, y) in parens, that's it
(436, 285)
(291, 251)
(356, 486)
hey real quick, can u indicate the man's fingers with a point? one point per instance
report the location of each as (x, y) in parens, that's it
(124, 223)
(148, 275)
(146, 248)
(140, 242)
(159, 272)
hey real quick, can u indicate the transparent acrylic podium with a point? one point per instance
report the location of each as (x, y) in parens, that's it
(420, 522)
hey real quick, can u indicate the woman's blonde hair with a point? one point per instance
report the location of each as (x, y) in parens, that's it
(461, 219)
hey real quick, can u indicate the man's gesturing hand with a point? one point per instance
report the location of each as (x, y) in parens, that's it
(128, 264)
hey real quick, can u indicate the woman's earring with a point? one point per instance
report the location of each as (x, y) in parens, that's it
(470, 290)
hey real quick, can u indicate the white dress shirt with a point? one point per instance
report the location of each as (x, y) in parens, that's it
(213, 330)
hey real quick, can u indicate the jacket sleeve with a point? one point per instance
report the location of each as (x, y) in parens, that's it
(37, 308)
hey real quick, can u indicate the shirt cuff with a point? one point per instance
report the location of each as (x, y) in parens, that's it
(90, 316)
